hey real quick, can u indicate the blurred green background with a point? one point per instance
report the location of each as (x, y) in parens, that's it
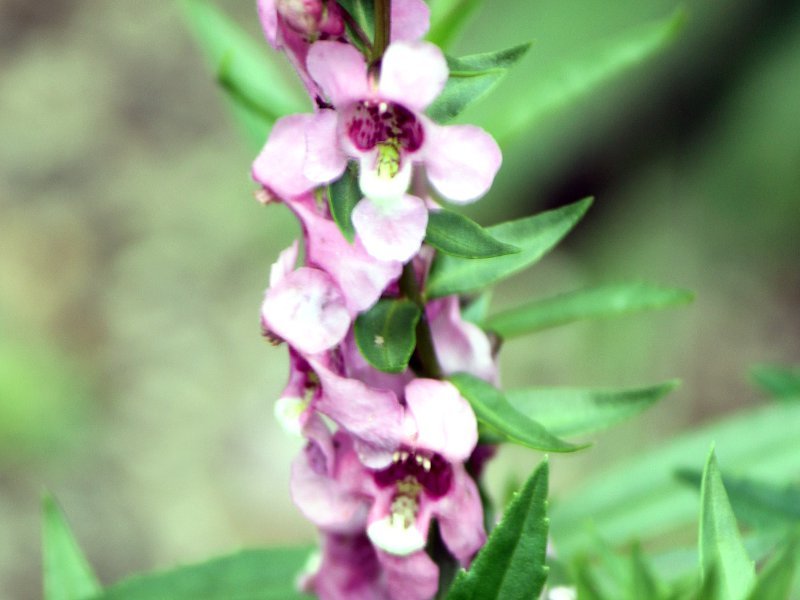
(134, 383)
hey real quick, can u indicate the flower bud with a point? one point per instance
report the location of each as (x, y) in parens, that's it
(312, 18)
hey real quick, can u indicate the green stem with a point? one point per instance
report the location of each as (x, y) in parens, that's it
(425, 353)
(383, 27)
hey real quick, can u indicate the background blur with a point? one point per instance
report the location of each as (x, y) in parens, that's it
(134, 383)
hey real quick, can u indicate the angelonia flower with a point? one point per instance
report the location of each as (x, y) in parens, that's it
(387, 454)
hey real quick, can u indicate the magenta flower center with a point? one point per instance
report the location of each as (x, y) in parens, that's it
(373, 122)
(419, 472)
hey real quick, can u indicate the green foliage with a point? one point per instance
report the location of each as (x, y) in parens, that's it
(448, 18)
(778, 382)
(591, 303)
(268, 574)
(386, 334)
(363, 12)
(471, 78)
(576, 411)
(495, 413)
(719, 540)
(343, 195)
(511, 566)
(254, 82)
(533, 235)
(67, 574)
(774, 582)
(456, 235)
(643, 582)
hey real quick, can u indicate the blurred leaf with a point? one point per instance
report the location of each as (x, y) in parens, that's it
(585, 583)
(471, 78)
(533, 235)
(511, 566)
(386, 335)
(774, 582)
(720, 542)
(537, 96)
(779, 382)
(591, 303)
(67, 574)
(762, 441)
(448, 18)
(246, 70)
(493, 410)
(363, 12)
(576, 411)
(456, 235)
(267, 574)
(343, 195)
(643, 582)
(759, 504)
(477, 308)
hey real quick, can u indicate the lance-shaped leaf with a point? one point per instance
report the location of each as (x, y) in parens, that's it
(268, 574)
(363, 13)
(577, 411)
(471, 78)
(448, 18)
(719, 540)
(591, 303)
(503, 420)
(67, 574)
(386, 335)
(779, 382)
(774, 582)
(533, 235)
(511, 566)
(643, 582)
(343, 195)
(456, 235)
(253, 80)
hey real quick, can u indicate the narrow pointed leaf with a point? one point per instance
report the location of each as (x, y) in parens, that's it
(719, 540)
(494, 411)
(779, 382)
(643, 582)
(577, 411)
(774, 582)
(456, 235)
(363, 12)
(578, 79)
(533, 235)
(477, 308)
(471, 78)
(590, 303)
(386, 335)
(67, 574)
(343, 195)
(511, 566)
(448, 18)
(268, 574)
(586, 584)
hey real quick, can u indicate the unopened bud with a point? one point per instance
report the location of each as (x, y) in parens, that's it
(312, 18)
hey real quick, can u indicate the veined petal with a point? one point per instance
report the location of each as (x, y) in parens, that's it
(307, 310)
(412, 74)
(340, 70)
(391, 230)
(460, 160)
(413, 577)
(268, 14)
(460, 517)
(445, 421)
(378, 180)
(324, 161)
(349, 571)
(280, 164)
(411, 20)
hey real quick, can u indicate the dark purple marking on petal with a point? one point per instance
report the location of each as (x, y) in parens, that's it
(433, 472)
(373, 122)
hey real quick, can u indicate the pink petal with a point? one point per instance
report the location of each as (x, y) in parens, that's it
(280, 164)
(349, 571)
(461, 160)
(414, 577)
(325, 161)
(358, 368)
(382, 187)
(445, 421)
(269, 20)
(391, 230)
(460, 516)
(411, 20)
(284, 265)
(307, 310)
(340, 70)
(412, 74)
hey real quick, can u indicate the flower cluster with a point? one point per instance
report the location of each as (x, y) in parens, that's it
(387, 453)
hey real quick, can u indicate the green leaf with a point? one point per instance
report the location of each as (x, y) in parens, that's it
(477, 307)
(67, 574)
(267, 574)
(511, 566)
(643, 582)
(493, 410)
(586, 584)
(580, 78)
(719, 540)
(471, 78)
(363, 12)
(591, 303)
(758, 503)
(533, 235)
(250, 75)
(343, 195)
(386, 335)
(455, 234)
(448, 18)
(774, 582)
(576, 411)
(779, 382)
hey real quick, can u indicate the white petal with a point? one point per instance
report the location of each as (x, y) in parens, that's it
(378, 186)
(391, 230)
(394, 538)
(288, 412)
